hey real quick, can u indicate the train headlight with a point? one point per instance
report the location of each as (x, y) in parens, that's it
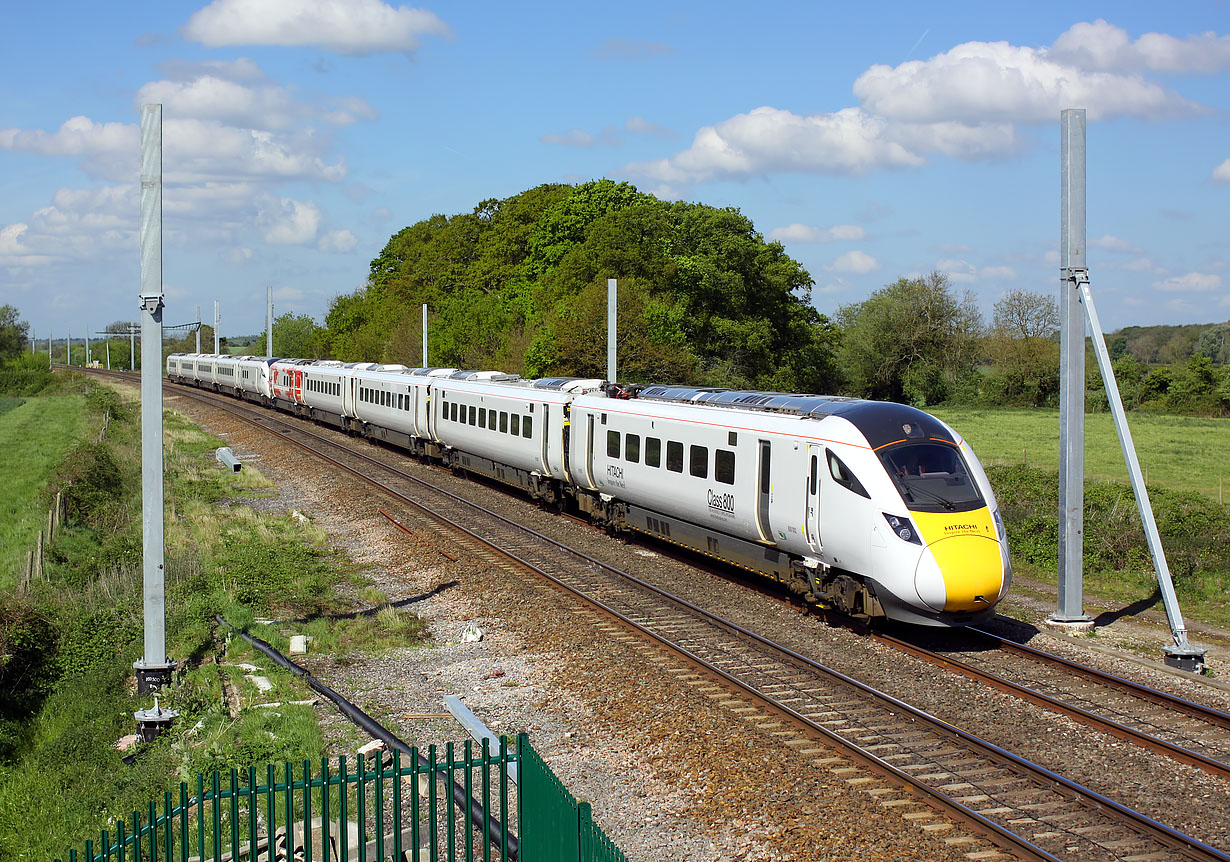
(999, 526)
(903, 528)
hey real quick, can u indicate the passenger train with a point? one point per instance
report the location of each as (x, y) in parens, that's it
(873, 508)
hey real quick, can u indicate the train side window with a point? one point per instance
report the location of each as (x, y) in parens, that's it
(527, 424)
(724, 466)
(612, 444)
(653, 452)
(842, 476)
(674, 456)
(514, 424)
(698, 462)
(503, 422)
(632, 448)
(482, 417)
(473, 415)
(453, 411)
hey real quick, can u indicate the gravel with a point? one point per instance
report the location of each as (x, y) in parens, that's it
(670, 773)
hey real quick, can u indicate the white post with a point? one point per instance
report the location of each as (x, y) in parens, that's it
(612, 290)
(269, 320)
(217, 323)
(1069, 606)
(198, 329)
(424, 335)
(153, 669)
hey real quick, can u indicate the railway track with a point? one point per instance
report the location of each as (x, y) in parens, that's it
(1023, 808)
(1189, 732)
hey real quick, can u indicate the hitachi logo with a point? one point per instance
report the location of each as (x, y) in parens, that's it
(954, 527)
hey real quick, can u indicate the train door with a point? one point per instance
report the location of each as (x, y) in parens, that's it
(298, 372)
(589, 450)
(811, 525)
(763, 494)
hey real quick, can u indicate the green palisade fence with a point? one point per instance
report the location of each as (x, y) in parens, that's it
(443, 807)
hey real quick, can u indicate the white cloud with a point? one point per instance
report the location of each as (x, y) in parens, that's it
(807, 233)
(14, 251)
(292, 222)
(1140, 264)
(640, 126)
(980, 82)
(622, 48)
(997, 273)
(110, 150)
(1114, 243)
(961, 271)
(855, 262)
(1103, 46)
(241, 70)
(1221, 173)
(1192, 282)
(338, 241)
(351, 27)
(213, 98)
(769, 139)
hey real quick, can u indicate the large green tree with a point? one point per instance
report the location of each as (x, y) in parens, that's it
(14, 333)
(520, 284)
(295, 336)
(1023, 349)
(910, 341)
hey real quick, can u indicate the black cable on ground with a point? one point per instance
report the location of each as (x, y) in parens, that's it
(495, 831)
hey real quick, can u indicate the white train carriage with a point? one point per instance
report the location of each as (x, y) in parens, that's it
(174, 361)
(507, 429)
(254, 376)
(799, 488)
(226, 373)
(324, 388)
(390, 403)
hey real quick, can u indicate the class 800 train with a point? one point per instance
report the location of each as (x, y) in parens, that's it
(875, 509)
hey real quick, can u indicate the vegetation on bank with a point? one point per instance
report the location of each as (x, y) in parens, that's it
(68, 642)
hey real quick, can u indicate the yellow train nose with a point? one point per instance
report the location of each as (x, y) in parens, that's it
(972, 570)
(961, 567)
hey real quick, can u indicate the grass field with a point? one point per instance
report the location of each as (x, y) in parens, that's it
(33, 439)
(1179, 452)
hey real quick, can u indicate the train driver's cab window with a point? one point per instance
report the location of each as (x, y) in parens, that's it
(698, 462)
(724, 466)
(612, 444)
(653, 452)
(932, 477)
(674, 456)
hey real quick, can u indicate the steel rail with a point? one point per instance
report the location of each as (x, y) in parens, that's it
(1161, 698)
(1100, 722)
(1160, 832)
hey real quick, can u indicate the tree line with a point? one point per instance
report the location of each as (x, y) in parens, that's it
(519, 284)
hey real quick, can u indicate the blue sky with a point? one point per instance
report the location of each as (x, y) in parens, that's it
(874, 141)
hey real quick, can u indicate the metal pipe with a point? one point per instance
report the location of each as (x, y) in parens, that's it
(1070, 600)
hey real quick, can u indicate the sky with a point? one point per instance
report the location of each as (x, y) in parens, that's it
(874, 141)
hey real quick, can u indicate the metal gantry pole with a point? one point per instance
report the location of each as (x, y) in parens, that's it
(1069, 610)
(217, 323)
(108, 344)
(424, 335)
(612, 294)
(198, 329)
(154, 669)
(269, 320)
(132, 347)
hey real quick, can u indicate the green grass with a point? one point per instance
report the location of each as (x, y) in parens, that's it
(34, 438)
(1176, 452)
